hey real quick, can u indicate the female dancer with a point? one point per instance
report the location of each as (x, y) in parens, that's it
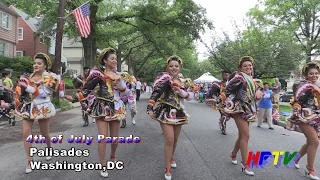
(129, 99)
(239, 102)
(168, 110)
(106, 107)
(216, 89)
(305, 114)
(78, 83)
(33, 100)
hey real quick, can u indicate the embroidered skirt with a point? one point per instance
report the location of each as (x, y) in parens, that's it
(108, 111)
(224, 116)
(167, 114)
(232, 107)
(131, 103)
(35, 111)
(306, 116)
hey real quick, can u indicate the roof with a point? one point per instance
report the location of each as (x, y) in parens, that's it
(33, 23)
(6, 9)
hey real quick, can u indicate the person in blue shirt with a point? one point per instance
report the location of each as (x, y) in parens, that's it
(265, 106)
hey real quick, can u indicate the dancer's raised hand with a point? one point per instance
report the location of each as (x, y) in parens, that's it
(23, 84)
(176, 89)
(258, 95)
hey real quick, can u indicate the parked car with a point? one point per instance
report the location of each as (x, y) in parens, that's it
(286, 97)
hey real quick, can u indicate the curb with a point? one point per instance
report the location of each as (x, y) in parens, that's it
(3, 123)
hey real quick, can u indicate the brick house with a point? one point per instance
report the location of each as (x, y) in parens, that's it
(8, 31)
(30, 38)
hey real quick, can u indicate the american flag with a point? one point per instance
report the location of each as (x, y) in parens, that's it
(82, 17)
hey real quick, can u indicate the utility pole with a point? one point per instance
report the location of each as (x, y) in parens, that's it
(59, 35)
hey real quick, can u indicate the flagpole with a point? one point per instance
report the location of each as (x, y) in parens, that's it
(75, 9)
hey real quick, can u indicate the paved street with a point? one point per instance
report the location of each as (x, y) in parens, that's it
(202, 153)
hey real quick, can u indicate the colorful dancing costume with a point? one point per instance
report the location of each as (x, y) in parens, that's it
(305, 105)
(78, 83)
(239, 97)
(129, 99)
(168, 109)
(187, 85)
(107, 104)
(217, 89)
(34, 101)
(181, 78)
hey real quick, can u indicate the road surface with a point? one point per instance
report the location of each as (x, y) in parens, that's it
(202, 153)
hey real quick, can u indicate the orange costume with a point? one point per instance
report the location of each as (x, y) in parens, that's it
(34, 102)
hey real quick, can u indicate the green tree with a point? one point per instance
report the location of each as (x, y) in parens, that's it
(139, 30)
(207, 66)
(275, 53)
(299, 17)
(21, 64)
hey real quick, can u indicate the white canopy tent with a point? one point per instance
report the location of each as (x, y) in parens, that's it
(206, 78)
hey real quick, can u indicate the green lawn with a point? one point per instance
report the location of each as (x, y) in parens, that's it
(62, 104)
(283, 118)
(284, 108)
(68, 81)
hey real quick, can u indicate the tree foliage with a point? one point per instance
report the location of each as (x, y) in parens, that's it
(21, 64)
(152, 30)
(275, 53)
(144, 32)
(300, 17)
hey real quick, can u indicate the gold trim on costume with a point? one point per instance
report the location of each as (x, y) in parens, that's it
(173, 123)
(126, 76)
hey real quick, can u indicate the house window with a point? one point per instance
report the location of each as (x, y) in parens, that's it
(6, 20)
(4, 47)
(20, 34)
(19, 53)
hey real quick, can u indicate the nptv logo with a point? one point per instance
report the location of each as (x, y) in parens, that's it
(261, 158)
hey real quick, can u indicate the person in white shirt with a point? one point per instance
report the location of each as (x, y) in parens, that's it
(138, 89)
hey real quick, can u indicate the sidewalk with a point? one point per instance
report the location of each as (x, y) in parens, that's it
(2, 122)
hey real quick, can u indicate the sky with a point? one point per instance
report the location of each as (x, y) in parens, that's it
(221, 13)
